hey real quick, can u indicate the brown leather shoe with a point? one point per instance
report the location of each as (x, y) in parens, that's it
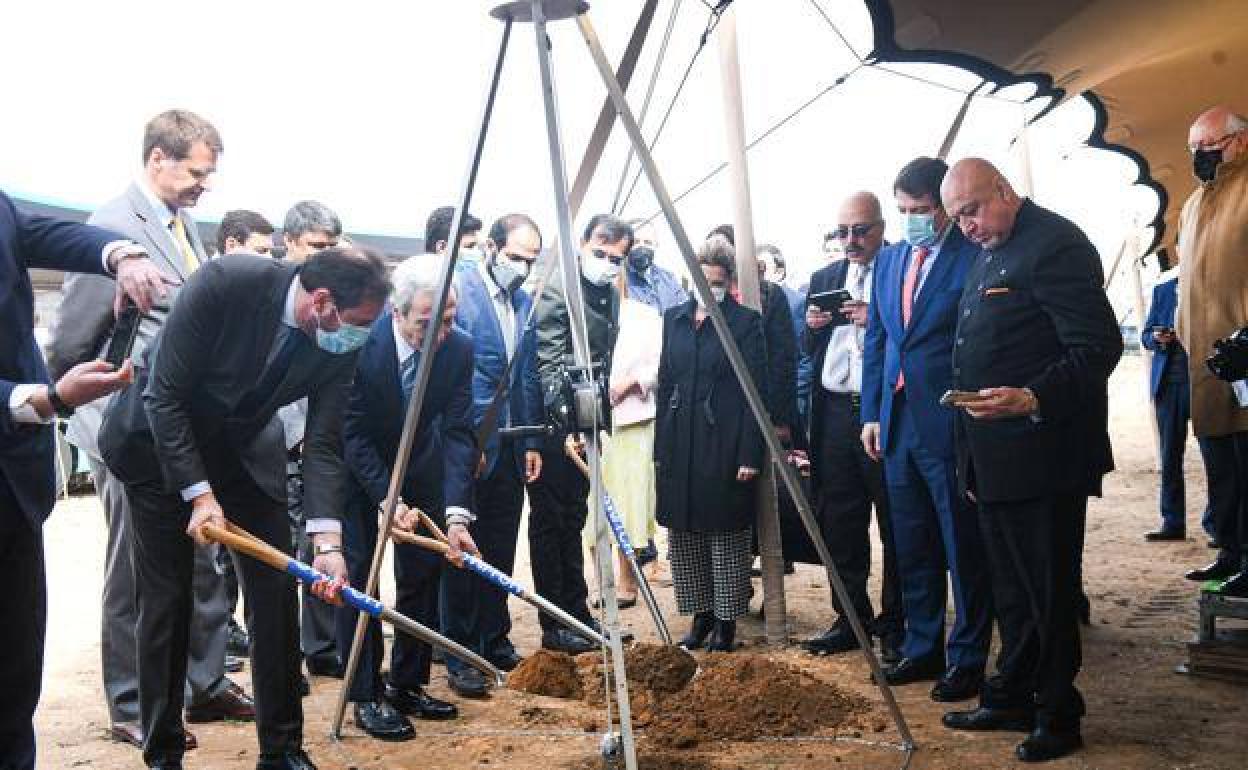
(132, 733)
(232, 704)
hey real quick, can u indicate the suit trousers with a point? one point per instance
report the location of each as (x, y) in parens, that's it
(1033, 548)
(163, 566)
(475, 612)
(1226, 461)
(558, 510)
(1172, 405)
(24, 615)
(119, 652)
(416, 572)
(848, 485)
(317, 620)
(935, 530)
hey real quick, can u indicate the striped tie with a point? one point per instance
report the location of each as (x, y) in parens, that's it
(908, 288)
(189, 258)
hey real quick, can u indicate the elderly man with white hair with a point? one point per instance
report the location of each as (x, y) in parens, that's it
(438, 481)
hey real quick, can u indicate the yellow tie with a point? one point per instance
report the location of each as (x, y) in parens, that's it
(184, 245)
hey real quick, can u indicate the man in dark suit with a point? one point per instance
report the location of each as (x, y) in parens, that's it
(906, 370)
(1036, 342)
(437, 480)
(199, 436)
(847, 481)
(28, 406)
(180, 154)
(493, 310)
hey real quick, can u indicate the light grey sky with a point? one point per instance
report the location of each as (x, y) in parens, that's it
(371, 108)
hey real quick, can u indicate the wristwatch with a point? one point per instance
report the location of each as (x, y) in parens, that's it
(62, 409)
(328, 548)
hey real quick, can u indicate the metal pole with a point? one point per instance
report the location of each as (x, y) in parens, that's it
(425, 368)
(733, 352)
(770, 548)
(580, 346)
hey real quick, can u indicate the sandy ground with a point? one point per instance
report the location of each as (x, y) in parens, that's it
(1141, 713)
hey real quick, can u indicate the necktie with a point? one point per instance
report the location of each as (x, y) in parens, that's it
(408, 378)
(189, 259)
(908, 287)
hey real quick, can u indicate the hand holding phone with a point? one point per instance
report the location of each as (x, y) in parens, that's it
(125, 331)
(961, 398)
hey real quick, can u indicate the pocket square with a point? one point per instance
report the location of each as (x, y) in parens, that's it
(996, 290)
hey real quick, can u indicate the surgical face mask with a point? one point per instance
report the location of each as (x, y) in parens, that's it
(1205, 164)
(508, 273)
(599, 271)
(348, 338)
(920, 229)
(470, 255)
(641, 258)
(718, 293)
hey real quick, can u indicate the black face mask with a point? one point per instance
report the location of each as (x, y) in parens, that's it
(1205, 164)
(640, 259)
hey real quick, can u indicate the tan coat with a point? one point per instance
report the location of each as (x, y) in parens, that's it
(1213, 290)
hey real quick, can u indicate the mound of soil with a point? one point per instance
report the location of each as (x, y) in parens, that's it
(659, 668)
(547, 673)
(746, 697)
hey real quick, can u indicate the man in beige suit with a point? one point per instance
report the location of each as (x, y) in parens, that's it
(180, 151)
(1213, 303)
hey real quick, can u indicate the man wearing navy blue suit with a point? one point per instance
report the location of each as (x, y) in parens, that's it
(438, 481)
(906, 368)
(28, 405)
(493, 310)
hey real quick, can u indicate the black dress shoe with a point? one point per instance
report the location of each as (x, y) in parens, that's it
(909, 670)
(723, 638)
(415, 702)
(1044, 744)
(325, 665)
(837, 639)
(560, 640)
(380, 720)
(699, 630)
(984, 718)
(506, 660)
(291, 760)
(1221, 569)
(1163, 534)
(1237, 586)
(466, 681)
(958, 683)
(890, 648)
(232, 704)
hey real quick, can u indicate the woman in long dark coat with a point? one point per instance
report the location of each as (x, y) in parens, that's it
(708, 452)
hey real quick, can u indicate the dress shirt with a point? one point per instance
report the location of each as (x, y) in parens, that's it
(842, 364)
(503, 311)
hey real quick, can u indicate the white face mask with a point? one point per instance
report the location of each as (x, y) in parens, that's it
(599, 272)
(718, 293)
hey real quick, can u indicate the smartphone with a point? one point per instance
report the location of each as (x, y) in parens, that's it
(961, 398)
(831, 301)
(124, 333)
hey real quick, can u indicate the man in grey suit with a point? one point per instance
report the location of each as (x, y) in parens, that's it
(180, 152)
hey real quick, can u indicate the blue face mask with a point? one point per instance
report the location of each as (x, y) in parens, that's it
(348, 338)
(920, 229)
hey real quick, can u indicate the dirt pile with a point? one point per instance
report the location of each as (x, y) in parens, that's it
(745, 697)
(547, 673)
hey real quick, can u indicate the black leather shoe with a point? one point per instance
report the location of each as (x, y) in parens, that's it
(506, 660)
(466, 681)
(325, 665)
(1221, 569)
(1237, 586)
(1044, 744)
(958, 683)
(232, 704)
(984, 718)
(380, 720)
(415, 702)
(699, 630)
(909, 670)
(291, 760)
(1163, 534)
(723, 638)
(560, 640)
(890, 648)
(837, 639)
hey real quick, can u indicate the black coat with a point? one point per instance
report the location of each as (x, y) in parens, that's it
(704, 430)
(1034, 314)
(781, 355)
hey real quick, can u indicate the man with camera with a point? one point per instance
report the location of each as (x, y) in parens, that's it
(1213, 291)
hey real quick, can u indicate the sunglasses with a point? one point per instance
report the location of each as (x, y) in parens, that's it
(844, 231)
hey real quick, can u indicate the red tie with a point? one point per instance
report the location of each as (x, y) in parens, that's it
(908, 288)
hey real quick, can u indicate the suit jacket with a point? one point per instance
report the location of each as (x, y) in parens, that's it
(815, 345)
(196, 412)
(521, 399)
(440, 470)
(27, 464)
(1161, 316)
(85, 322)
(781, 355)
(924, 349)
(1034, 314)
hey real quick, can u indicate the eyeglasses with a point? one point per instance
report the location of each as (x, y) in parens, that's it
(1215, 144)
(844, 231)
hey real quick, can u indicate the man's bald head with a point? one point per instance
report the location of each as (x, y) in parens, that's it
(860, 226)
(1219, 129)
(981, 200)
